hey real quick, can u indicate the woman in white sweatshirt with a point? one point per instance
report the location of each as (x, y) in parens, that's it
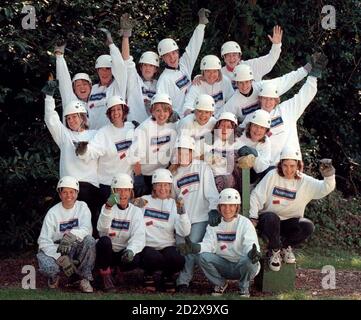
(66, 237)
(67, 136)
(163, 218)
(278, 203)
(121, 230)
(229, 250)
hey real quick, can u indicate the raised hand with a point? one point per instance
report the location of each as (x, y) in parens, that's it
(277, 35)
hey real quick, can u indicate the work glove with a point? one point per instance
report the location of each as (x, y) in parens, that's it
(180, 206)
(246, 162)
(113, 199)
(126, 25)
(174, 117)
(326, 168)
(318, 63)
(81, 148)
(214, 218)
(66, 243)
(254, 254)
(59, 48)
(139, 202)
(203, 15)
(109, 39)
(245, 151)
(67, 265)
(50, 86)
(127, 256)
(188, 247)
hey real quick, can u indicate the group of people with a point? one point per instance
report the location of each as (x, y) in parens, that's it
(150, 169)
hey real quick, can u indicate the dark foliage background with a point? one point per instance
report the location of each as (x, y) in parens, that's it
(330, 126)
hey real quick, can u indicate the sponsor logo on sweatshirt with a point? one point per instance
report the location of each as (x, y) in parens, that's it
(68, 225)
(188, 180)
(226, 237)
(159, 140)
(97, 96)
(276, 122)
(182, 82)
(123, 145)
(147, 92)
(250, 109)
(120, 224)
(156, 214)
(218, 97)
(284, 193)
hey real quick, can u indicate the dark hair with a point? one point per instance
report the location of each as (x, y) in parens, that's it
(83, 117)
(125, 110)
(300, 166)
(248, 132)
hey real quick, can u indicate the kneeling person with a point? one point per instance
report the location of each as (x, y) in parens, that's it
(65, 239)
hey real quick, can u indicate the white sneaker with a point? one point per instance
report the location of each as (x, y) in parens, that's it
(85, 286)
(219, 290)
(275, 260)
(288, 255)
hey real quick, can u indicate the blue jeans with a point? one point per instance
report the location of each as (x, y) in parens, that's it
(197, 233)
(218, 269)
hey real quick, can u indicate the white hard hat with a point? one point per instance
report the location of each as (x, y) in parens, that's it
(150, 57)
(243, 72)
(167, 45)
(185, 142)
(74, 106)
(291, 152)
(68, 182)
(229, 47)
(269, 90)
(82, 76)
(161, 98)
(103, 61)
(262, 118)
(211, 62)
(205, 102)
(229, 196)
(123, 181)
(115, 100)
(162, 175)
(228, 116)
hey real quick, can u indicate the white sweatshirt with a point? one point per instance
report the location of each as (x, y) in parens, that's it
(241, 106)
(124, 227)
(195, 184)
(98, 97)
(220, 156)
(287, 197)
(176, 82)
(263, 160)
(109, 146)
(162, 222)
(76, 220)
(70, 164)
(152, 145)
(221, 92)
(138, 91)
(201, 133)
(230, 240)
(284, 119)
(260, 66)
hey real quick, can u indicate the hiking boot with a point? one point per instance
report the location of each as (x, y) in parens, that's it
(182, 288)
(275, 260)
(244, 293)
(288, 255)
(85, 286)
(53, 282)
(219, 290)
(73, 280)
(168, 284)
(107, 281)
(149, 283)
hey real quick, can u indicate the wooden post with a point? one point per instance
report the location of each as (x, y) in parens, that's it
(245, 191)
